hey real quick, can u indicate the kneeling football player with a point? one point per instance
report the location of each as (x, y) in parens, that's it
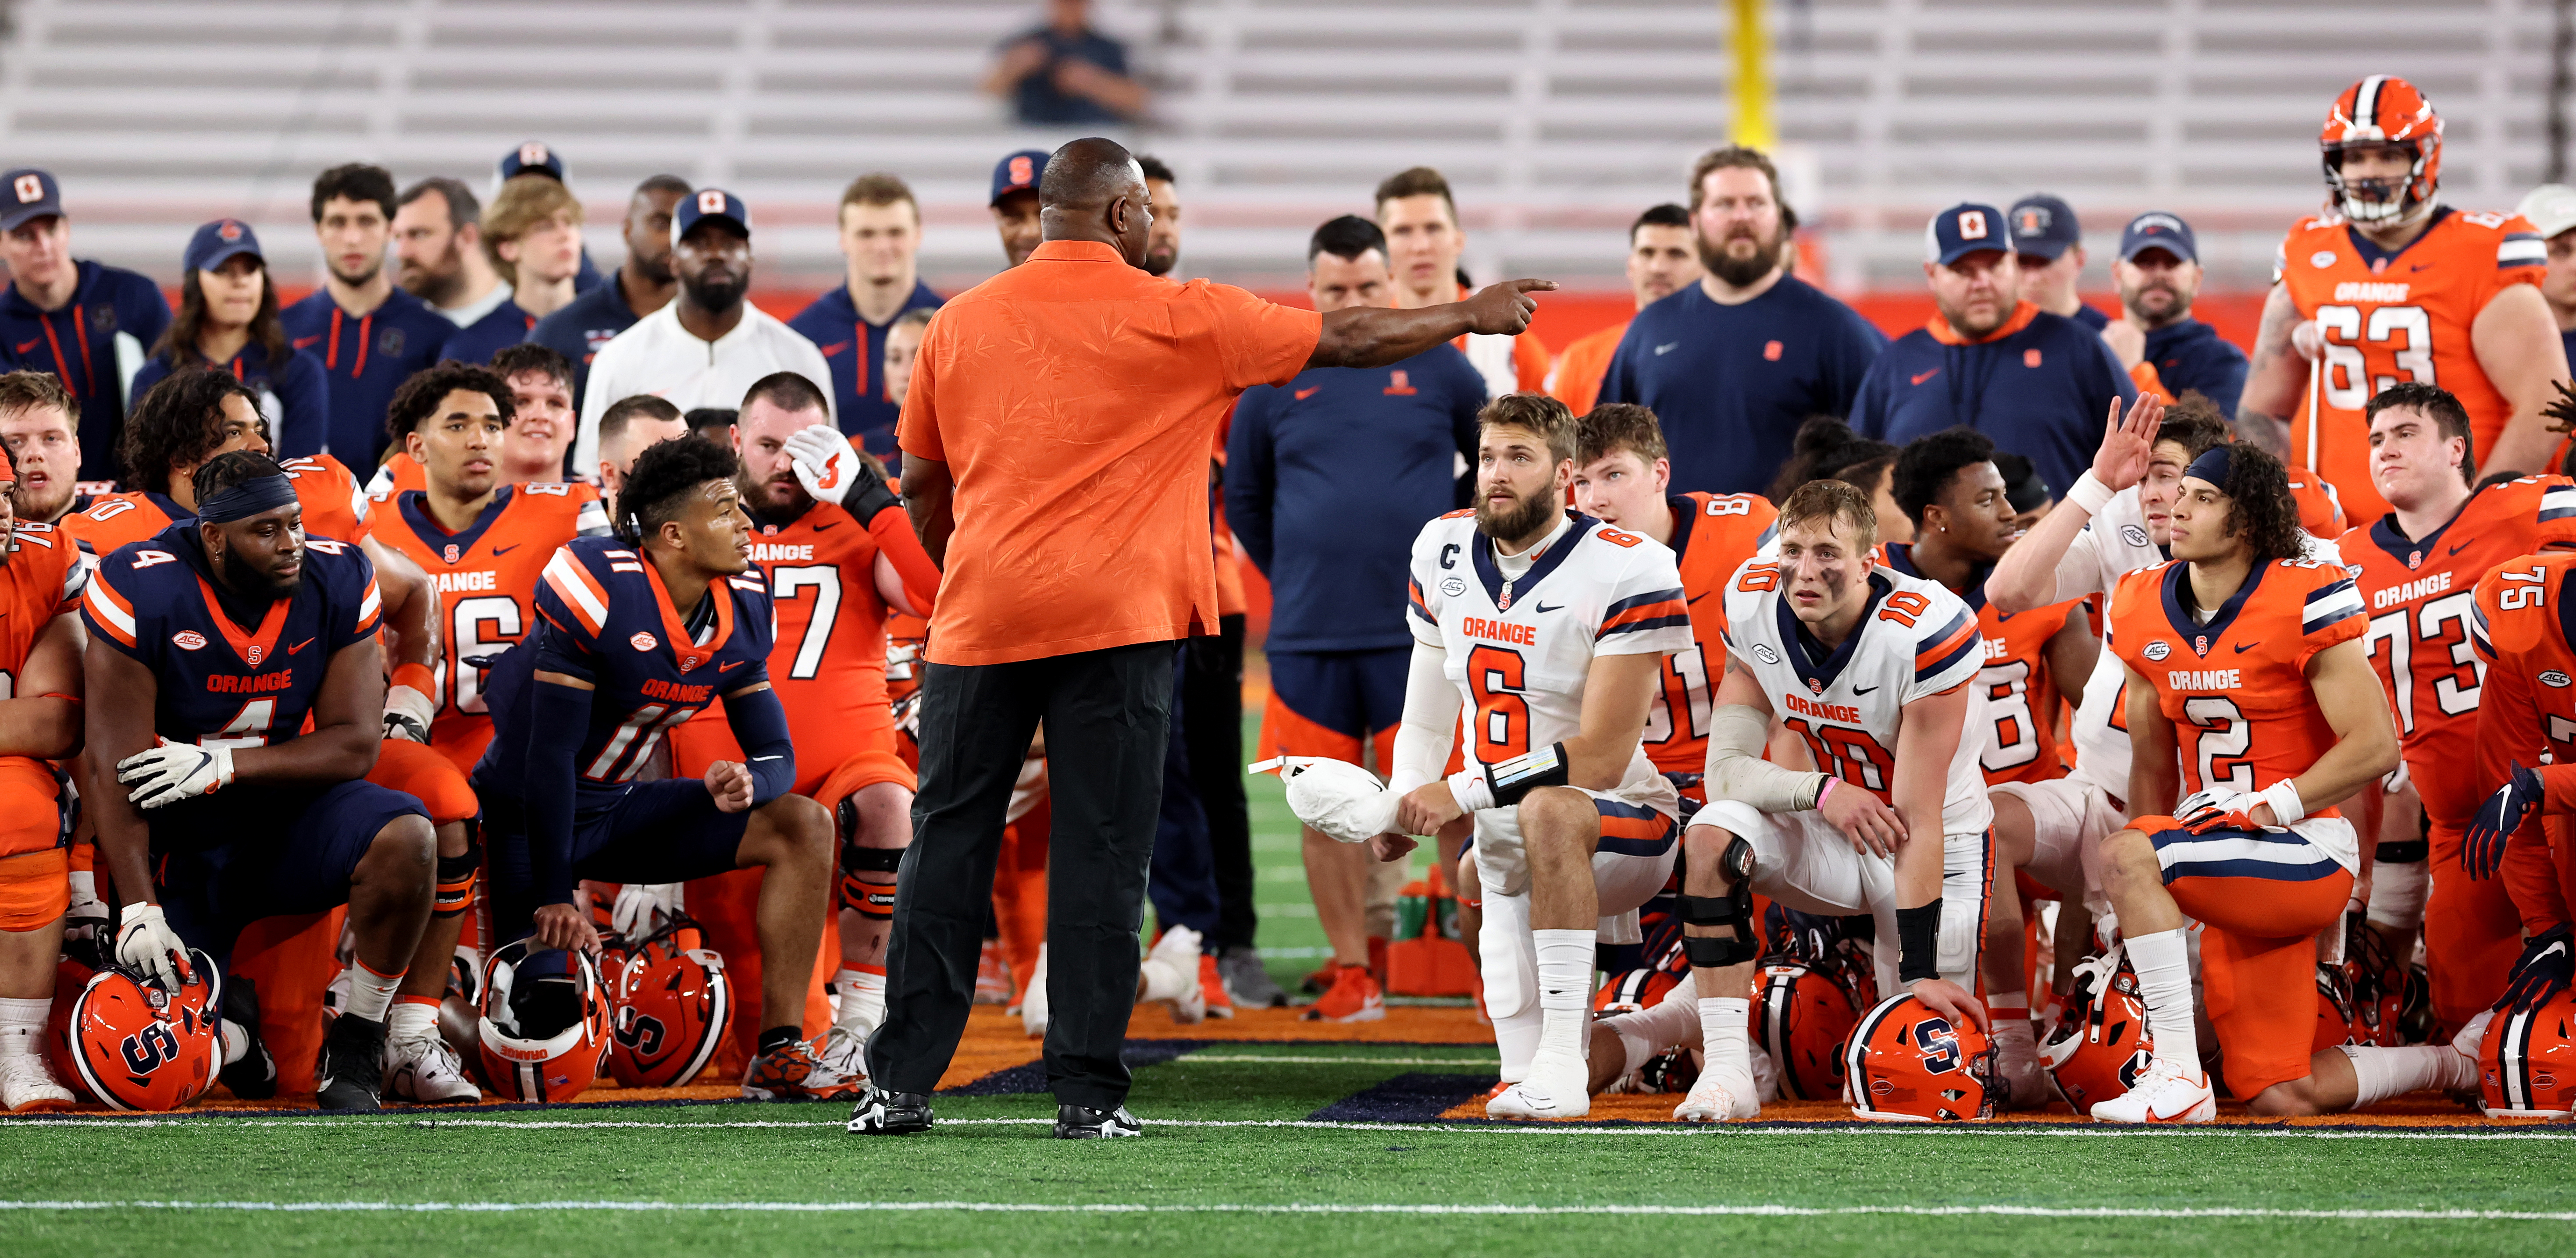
(211, 643)
(636, 633)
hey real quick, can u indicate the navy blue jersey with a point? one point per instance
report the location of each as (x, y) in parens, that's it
(1732, 383)
(2190, 355)
(604, 617)
(580, 327)
(365, 358)
(223, 684)
(2039, 385)
(855, 351)
(293, 395)
(505, 326)
(110, 308)
(1329, 477)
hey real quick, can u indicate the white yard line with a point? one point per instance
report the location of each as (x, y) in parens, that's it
(1747, 1210)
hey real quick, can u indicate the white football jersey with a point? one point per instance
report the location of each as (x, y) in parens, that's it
(1916, 639)
(1520, 650)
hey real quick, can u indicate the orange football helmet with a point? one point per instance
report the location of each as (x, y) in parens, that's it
(2100, 1044)
(672, 998)
(544, 1023)
(2336, 1018)
(1905, 1063)
(1802, 1014)
(139, 1046)
(2383, 109)
(1631, 990)
(2527, 1062)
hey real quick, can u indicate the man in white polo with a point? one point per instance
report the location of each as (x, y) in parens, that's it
(709, 345)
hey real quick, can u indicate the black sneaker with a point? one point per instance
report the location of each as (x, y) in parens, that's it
(1081, 1122)
(350, 1077)
(883, 1113)
(254, 1077)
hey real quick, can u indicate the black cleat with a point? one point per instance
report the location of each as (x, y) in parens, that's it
(1081, 1122)
(254, 1077)
(883, 1113)
(350, 1077)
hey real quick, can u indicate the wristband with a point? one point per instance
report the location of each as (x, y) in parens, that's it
(416, 676)
(1469, 788)
(2089, 492)
(2283, 796)
(1827, 788)
(1918, 943)
(1514, 779)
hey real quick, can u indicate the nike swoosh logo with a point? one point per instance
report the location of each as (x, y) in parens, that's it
(1862, 690)
(1925, 376)
(758, 759)
(2002, 615)
(827, 525)
(835, 348)
(1695, 598)
(499, 551)
(2243, 647)
(29, 345)
(1545, 608)
(2461, 547)
(727, 668)
(2417, 267)
(1303, 394)
(299, 646)
(1666, 348)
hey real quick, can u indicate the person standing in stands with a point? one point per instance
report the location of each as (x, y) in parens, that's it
(438, 239)
(88, 323)
(228, 320)
(1733, 364)
(880, 236)
(1065, 73)
(642, 284)
(369, 335)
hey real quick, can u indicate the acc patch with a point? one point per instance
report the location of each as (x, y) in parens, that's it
(2554, 678)
(643, 641)
(188, 640)
(2157, 649)
(2321, 259)
(2133, 535)
(1454, 586)
(1765, 654)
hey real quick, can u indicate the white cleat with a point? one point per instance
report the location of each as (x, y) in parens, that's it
(27, 1083)
(1714, 1098)
(427, 1072)
(845, 1052)
(1033, 1007)
(1555, 1088)
(1179, 949)
(2162, 1095)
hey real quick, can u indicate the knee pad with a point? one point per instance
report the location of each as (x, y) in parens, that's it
(867, 877)
(457, 874)
(1732, 911)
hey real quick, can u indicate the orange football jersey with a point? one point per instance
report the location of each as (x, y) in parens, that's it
(399, 472)
(42, 578)
(1713, 535)
(2419, 596)
(333, 508)
(1575, 377)
(2021, 745)
(2236, 689)
(2387, 318)
(2527, 714)
(2320, 505)
(486, 578)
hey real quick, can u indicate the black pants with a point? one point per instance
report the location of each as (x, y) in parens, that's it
(1212, 703)
(1107, 717)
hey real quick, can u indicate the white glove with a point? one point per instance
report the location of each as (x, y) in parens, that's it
(823, 462)
(1338, 798)
(146, 944)
(408, 713)
(643, 908)
(86, 920)
(174, 771)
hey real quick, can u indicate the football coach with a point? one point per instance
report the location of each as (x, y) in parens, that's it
(1056, 443)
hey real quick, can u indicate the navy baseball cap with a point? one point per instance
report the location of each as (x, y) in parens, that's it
(219, 241)
(1019, 172)
(2156, 229)
(706, 203)
(32, 194)
(1964, 229)
(2044, 226)
(531, 158)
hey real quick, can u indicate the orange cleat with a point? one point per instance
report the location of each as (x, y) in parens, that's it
(1212, 985)
(1354, 997)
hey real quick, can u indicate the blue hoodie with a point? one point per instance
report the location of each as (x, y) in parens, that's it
(79, 344)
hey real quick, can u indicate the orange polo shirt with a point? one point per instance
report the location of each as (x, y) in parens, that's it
(1074, 399)
(1575, 379)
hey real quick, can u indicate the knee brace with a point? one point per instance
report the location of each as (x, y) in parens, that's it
(1733, 911)
(456, 875)
(867, 879)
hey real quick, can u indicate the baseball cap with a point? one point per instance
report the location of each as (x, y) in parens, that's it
(531, 158)
(2551, 207)
(1019, 172)
(2044, 226)
(1964, 229)
(32, 194)
(706, 203)
(219, 241)
(2156, 229)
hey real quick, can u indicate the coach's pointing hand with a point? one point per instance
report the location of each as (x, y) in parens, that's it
(1505, 309)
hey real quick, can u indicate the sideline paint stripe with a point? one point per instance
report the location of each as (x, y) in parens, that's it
(1754, 1210)
(1200, 1059)
(2552, 1132)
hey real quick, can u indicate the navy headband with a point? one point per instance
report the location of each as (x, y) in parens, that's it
(244, 499)
(2213, 464)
